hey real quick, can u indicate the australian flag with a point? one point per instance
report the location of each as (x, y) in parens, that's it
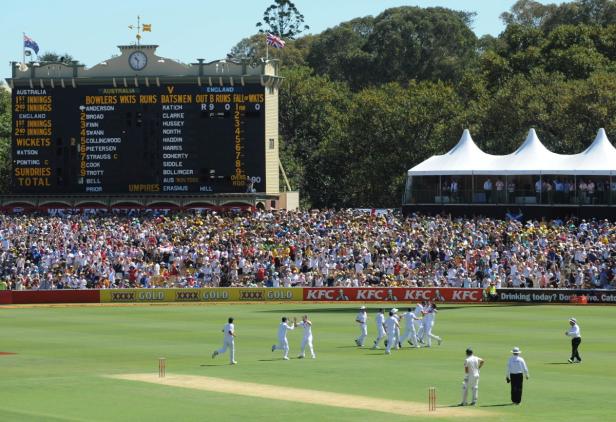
(31, 44)
(275, 41)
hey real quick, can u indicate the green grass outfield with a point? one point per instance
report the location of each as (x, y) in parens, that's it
(63, 354)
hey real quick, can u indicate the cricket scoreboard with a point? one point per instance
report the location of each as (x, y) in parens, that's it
(170, 138)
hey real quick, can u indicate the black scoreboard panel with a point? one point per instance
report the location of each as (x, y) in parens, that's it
(167, 139)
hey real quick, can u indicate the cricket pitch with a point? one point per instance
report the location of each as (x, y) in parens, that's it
(299, 395)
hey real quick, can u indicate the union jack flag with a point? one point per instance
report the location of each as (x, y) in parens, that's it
(274, 41)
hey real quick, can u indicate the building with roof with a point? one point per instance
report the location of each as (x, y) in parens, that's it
(530, 180)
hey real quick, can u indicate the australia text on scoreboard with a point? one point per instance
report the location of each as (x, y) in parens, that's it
(160, 127)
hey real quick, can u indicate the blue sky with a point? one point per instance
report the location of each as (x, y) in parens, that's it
(184, 29)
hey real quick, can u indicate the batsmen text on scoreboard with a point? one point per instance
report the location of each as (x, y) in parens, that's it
(167, 139)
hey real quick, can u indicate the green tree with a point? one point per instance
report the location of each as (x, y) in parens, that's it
(423, 44)
(282, 18)
(253, 49)
(52, 56)
(313, 122)
(393, 128)
(338, 52)
(5, 139)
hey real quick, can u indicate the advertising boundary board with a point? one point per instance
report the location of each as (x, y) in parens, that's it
(208, 294)
(308, 294)
(55, 296)
(393, 294)
(556, 296)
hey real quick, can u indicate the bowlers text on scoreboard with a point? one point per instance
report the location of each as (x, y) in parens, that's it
(157, 139)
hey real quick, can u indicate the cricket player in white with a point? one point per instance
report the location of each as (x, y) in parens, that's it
(307, 340)
(228, 342)
(283, 343)
(472, 364)
(419, 326)
(362, 320)
(397, 344)
(391, 324)
(410, 334)
(428, 323)
(380, 328)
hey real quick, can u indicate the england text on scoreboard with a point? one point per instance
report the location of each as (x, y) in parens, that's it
(181, 138)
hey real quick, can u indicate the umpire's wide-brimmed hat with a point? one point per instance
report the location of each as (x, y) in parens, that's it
(573, 320)
(516, 351)
(361, 308)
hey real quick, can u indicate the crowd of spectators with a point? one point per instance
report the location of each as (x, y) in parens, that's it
(346, 248)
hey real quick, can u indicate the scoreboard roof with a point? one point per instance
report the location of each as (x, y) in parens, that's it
(140, 65)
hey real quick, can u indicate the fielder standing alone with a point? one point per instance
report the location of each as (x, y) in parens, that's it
(228, 342)
(472, 364)
(576, 339)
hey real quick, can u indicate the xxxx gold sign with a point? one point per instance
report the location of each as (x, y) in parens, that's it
(251, 295)
(187, 296)
(201, 295)
(122, 296)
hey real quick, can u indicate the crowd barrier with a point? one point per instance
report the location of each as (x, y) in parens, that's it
(308, 294)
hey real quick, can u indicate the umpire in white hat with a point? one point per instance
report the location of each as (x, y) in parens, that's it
(516, 370)
(576, 339)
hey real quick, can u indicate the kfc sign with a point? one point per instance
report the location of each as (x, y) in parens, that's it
(394, 294)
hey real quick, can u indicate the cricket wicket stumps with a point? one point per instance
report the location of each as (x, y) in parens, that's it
(162, 367)
(432, 399)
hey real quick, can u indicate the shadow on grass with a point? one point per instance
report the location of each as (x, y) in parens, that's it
(496, 405)
(210, 364)
(271, 360)
(557, 363)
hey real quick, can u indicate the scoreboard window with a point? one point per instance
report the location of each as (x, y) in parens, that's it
(167, 139)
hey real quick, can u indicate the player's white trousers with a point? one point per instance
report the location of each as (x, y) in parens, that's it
(228, 344)
(471, 383)
(391, 342)
(380, 336)
(427, 334)
(307, 341)
(283, 344)
(419, 329)
(363, 334)
(409, 334)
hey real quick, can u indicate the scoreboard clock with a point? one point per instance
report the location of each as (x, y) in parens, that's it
(138, 60)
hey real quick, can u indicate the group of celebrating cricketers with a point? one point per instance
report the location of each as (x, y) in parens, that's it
(418, 325)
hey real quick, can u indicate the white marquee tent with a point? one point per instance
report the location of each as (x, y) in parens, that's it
(532, 157)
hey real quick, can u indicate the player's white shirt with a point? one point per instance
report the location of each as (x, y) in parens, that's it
(229, 327)
(380, 320)
(408, 319)
(430, 316)
(361, 317)
(283, 328)
(390, 324)
(472, 363)
(418, 310)
(307, 329)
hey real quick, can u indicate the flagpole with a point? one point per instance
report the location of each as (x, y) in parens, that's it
(266, 49)
(23, 48)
